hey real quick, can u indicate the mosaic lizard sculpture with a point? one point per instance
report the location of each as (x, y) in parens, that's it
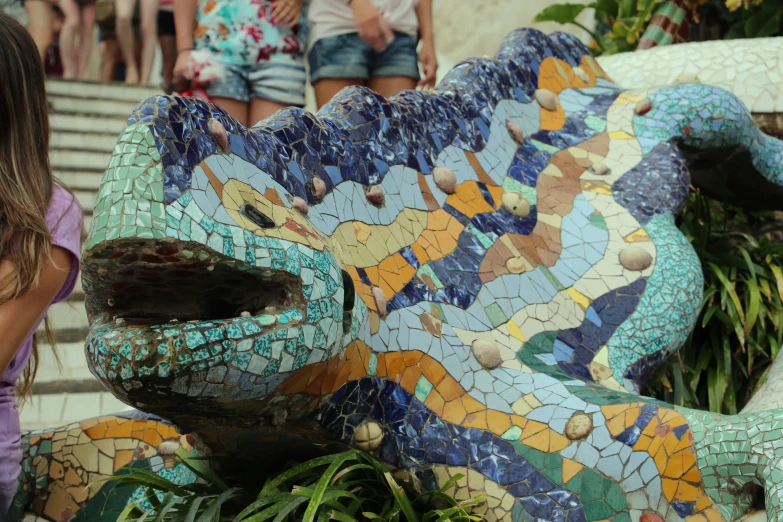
(477, 278)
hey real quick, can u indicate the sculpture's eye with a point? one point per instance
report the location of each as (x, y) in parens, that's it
(257, 217)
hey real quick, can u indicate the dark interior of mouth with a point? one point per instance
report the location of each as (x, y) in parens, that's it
(727, 174)
(144, 295)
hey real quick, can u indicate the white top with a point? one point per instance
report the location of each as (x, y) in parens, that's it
(326, 18)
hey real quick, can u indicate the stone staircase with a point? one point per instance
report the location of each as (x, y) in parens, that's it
(85, 121)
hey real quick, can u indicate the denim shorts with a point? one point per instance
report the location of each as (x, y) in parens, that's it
(281, 80)
(346, 56)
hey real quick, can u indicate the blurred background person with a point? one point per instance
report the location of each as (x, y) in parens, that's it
(76, 36)
(15, 9)
(40, 14)
(371, 43)
(258, 47)
(148, 21)
(53, 64)
(112, 63)
(168, 42)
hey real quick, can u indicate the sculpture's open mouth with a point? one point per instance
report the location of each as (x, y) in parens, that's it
(160, 310)
(185, 283)
(190, 294)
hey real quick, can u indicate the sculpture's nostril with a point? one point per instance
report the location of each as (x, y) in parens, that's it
(257, 217)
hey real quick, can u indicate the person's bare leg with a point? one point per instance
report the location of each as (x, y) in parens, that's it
(87, 23)
(326, 88)
(261, 108)
(387, 86)
(137, 52)
(124, 13)
(168, 50)
(111, 57)
(149, 37)
(102, 60)
(237, 109)
(68, 49)
(41, 15)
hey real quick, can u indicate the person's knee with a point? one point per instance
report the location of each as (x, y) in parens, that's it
(148, 30)
(43, 36)
(71, 22)
(124, 20)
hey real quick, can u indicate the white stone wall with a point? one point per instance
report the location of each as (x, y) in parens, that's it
(469, 28)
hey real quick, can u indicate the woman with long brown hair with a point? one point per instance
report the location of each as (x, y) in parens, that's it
(40, 235)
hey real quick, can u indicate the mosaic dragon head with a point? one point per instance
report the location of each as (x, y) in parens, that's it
(479, 277)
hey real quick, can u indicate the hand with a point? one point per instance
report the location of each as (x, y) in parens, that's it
(429, 64)
(287, 12)
(182, 67)
(373, 29)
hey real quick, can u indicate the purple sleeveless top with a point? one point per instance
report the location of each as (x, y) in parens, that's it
(64, 219)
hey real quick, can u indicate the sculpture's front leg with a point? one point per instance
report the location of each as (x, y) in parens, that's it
(738, 456)
(62, 468)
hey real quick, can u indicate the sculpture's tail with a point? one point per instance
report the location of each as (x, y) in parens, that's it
(739, 456)
(773, 487)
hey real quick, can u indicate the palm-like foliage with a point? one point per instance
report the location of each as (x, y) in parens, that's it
(346, 487)
(739, 330)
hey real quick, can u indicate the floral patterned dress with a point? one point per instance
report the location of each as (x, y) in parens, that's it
(242, 32)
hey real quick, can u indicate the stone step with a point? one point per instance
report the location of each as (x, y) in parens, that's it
(78, 290)
(86, 199)
(79, 180)
(86, 123)
(68, 316)
(93, 141)
(55, 409)
(104, 91)
(92, 106)
(79, 159)
(72, 367)
(67, 334)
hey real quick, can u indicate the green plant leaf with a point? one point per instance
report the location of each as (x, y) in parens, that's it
(298, 470)
(400, 496)
(763, 23)
(348, 469)
(341, 517)
(679, 385)
(272, 510)
(320, 489)
(144, 478)
(560, 13)
(193, 509)
(289, 507)
(778, 279)
(123, 516)
(625, 8)
(754, 303)
(717, 388)
(201, 469)
(212, 513)
(168, 503)
(606, 8)
(258, 504)
(729, 286)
